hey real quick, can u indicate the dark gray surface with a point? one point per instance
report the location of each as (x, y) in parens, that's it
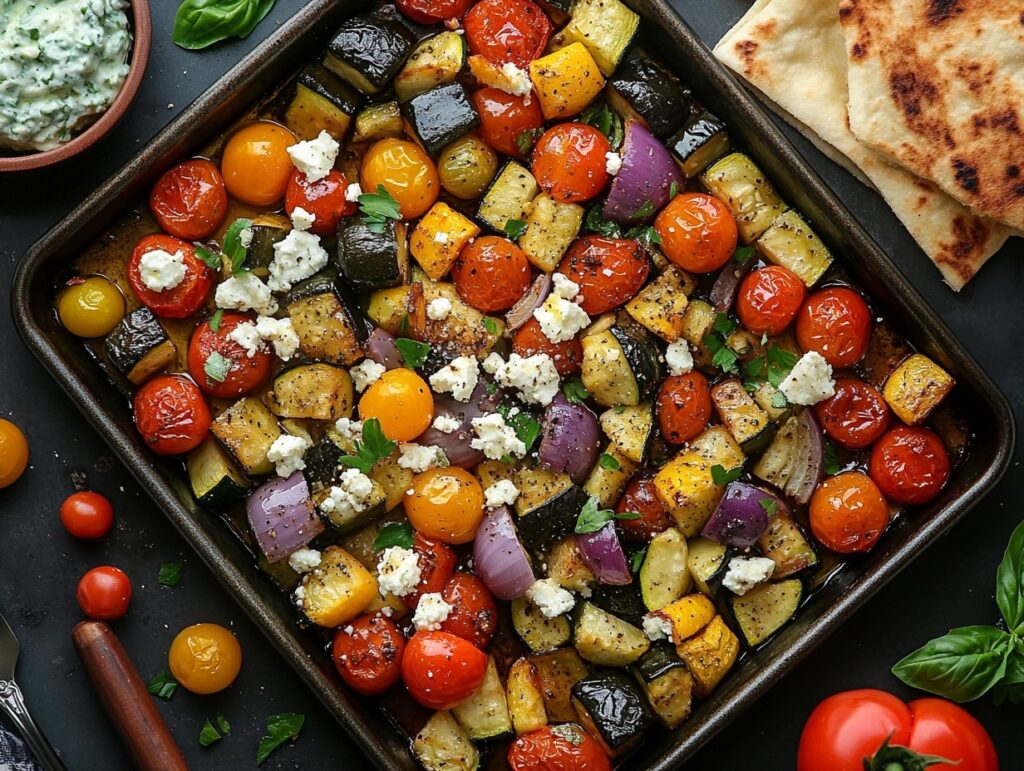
(39, 566)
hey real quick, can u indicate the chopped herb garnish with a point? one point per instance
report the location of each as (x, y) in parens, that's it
(403, 325)
(743, 254)
(606, 121)
(527, 429)
(491, 388)
(393, 534)
(162, 685)
(526, 139)
(514, 229)
(592, 519)
(490, 325)
(33, 33)
(608, 462)
(620, 409)
(779, 400)
(233, 248)
(752, 369)
(215, 320)
(209, 735)
(217, 367)
(646, 210)
(378, 208)
(724, 325)
(646, 234)
(280, 728)
(721, 476)
(780, 362)
(223, 725)
(673, 189)
(373, 448)
(170, 573)
(210, 257)
(413, 352)
(722, 357)
(830, 459)
(637, 560)
(575, 392)
(770, 505)
(596, 224)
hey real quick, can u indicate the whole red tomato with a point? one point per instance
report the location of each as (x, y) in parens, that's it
(104, 593)
(87, 514)
(569, 162)
(186, 298)
(849, 727)
(440, 669)
(769, 299)
(189, 201)
(491, 274)
(910, 465)
(501, 31)
(855, 415)
(609, 271)
(436, 561)
(171, 414)
(640, 497)
(474, 615)
(835, 322)
(324, 199)
(564, 747)
(508, 123)
(433, 11)
(368, 654)
(683, 407)
(232, 372)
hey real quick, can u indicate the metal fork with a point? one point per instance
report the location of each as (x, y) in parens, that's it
(13, 703)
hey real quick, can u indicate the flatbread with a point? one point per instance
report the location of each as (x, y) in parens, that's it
(937, 86)
(794, 53)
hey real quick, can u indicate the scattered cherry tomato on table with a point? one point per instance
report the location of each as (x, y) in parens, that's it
(564, 747)
(507, 31)
(13, 453)
(855, 415)
(324, 199)
(609, 271)
(569, 162)
(186, 298)
(769, 299)
(446, 504)
(368, 653)
(835, 322)
(530, 339)
(401, 401)
(104, 593)
(233, 372)
(508, 123)
(190, 200)
(848, 513)
(440, 669)
(640, 497)
(90, 306)
(405, 171)
(255, 163)
(698, 233)
(171, 414)
(491, 274)
(474, 614)
(205, 658)
(683, 407)
(86, 514)
(910, 465)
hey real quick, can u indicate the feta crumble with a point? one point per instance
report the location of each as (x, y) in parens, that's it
(495, 438)
(517, 81)
(439, 308)
(160, 270)
(493, 363)
(398, 571)
(550, 598)
(612, 162)
(246, 336)
(678, 357)
(245, 292)
(458, 378)
(446, 424)
(286, 454)
(810, 381)
(657, 627)
(302, 219)
(352, 192)
(560, 319)
(304, 560)
(296, 257)
(431, 612)
(420, 457)
(564, 287)
(501, 493)
(745, 573)
(535, 377)
(280, 333)
(245, 237)
(366, 373)
(352, 495)
(348, 428)
(315, 157)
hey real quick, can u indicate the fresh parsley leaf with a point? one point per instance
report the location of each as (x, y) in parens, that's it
(232, 246)
(403, 325)
(575, 392)
(526, 139)
(637, 560)
(673, 190)
(209, 735)
(770, 505)
(217, 367)
(490, 325)
(596, 224)
(722, 357)
(724, 325)
(514, 229)
(216, 319)
(280, 728)
(491, 388)
(527, 429)
(619, 410)
(393, 534)
(608, 462)
(33, 34)
(373, 448)
(413, 352)
(830, 459)
(378, 208)
(646, 234)
(210, 257)
(170, 573)
(223, 725)
(592, 519)
(743, 254)
(605, 120)
(753, 368)
(162, 685)
(646, 210)
(721, 476)
(780, 362)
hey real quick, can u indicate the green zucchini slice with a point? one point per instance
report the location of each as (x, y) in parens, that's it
(322, 102)
(630, 429)
(701, 141)
(607, 640)
(216, 481)
(440, 116)
(707, 564)
(138, 347)
(378, 121)
(765, 609)
(368, 51)
(442, 745)
(745, 189)
(508, 197)
(666, 682)
(664, 577)
(540, 633)
(314, 391)
(547, 507)
(605, 27)
(267, 230)
(484, 714)
(369, 260)
(434, 62)
(791, 243)
(247, 429)
(329, 325)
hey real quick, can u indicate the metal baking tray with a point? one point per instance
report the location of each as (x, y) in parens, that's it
(666, 35)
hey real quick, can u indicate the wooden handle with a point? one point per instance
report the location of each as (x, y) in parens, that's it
(127, 702)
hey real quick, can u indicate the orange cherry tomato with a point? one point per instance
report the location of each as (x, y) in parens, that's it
(609, 271)
(402, 402)
(433, 11)
(683, 406)
(255, 163)
(855, 416)
(474, 614)
(835, 322)
(769, 300)
(405, 171)
(848, 513)
(325, 199)
(508, 123)
(241, 374)
(104, 593)
(640, 497)
(446, 504)
(205, 658)
(437, 563)
(13, 453)
(564, 747)
(171, 415)
(529, 339)
(491, 274)
(87, 514)
(910, 465)
(698, 233)
(440, 669)
(190, 200)
(186, 298)
(569, 162)
(501, 31)
(368, 654)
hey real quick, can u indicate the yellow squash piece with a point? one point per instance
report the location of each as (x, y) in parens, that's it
(688, 615)
(710, 655)
(439, 237)
(566, 81)
(525, 699)
(661, 305)
(337, 591)
(916, 387)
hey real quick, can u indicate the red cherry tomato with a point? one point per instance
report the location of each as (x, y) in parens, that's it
(368, 654)
(184, 299)
(569, 162)
(698, 233)
(433, 11)
(190, 201)
(910, 465)
(949, 731)
(474, 615)
(683, 407)
(564, 747)
(769, 300)
(504, 118)
(324, 199)
(104, 593)
(501, 31)
(640, 497)
(835, 322)
(848, 513)
(609, 271)
(436, 561)
(530, 339)
(440, 669)
(87, 515)
(171, 414)
(855, 416)
(491, 274)
(242, 373)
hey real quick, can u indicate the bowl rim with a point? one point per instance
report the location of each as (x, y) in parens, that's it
(143, 35)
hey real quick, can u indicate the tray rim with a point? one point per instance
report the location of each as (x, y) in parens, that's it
(278, 629)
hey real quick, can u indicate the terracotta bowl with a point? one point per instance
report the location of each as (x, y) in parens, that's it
(142, 34)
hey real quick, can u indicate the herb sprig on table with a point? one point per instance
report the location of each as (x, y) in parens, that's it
(201, 23)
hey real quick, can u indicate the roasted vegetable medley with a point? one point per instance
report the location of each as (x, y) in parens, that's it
(518, 376)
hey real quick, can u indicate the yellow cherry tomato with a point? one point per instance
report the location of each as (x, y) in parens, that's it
(90, 307)
(255, 163)
(446, 504)
(405, 171)
(205, 658)
(401, 401)
(13, 453)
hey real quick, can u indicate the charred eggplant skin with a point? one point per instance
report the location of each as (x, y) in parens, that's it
(653, 93)
(139, 336)
(643, 356)
(611, 703)
(368, 51)
(368, 260)
(624, 602)
(701, 141)
(440, 116)
(551, 520)
(331, 87)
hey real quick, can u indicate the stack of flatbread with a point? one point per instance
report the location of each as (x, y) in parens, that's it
(922, 99)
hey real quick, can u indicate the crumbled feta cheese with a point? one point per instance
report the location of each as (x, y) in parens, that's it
(302, 219)
(246, 336)
(612, 163)
(560, 319)
(245, 292)
(458, 378)
(495, 438)
(315, 157)
(420, 457)
(535, 377)
(493, 363)
(350, 429)
(564, 287)
(304, 560)
(300, 595)
(550, 598)
(517, 81)
(745, 573)
(398, 571)
(366, 373)
(446, 424)
(431, 612)
(501, 493)
(352, 192)
(297, 256)
(245, 237)
(160, 270)
(280, 333)
(439, 308)
(352, 495)
(679, 358)
(286, 454)
(810, 380)
(657, 627)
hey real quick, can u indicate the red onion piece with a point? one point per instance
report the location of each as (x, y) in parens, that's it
(499, 558)
(793, 461)
(723, 293)
(742, 516)
(380, 347)
(644, 181)
(535, 296)
(604, 556)
(282, 516)
(456, 444)
(570, 438)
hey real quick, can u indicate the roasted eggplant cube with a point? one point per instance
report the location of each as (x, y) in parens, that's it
(216, 481)
(547, 507)
(311, 391)
(369, 260)
(368, 51)
(645, 91)
(322, 102)
(701, 141)
(623, 602)
(666, 682)
(612, 709)
(247, 429)
(440, 116)
(323, 460)
(138, 347)
(328, 323)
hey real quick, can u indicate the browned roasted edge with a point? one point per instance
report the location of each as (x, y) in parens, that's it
(748, 121)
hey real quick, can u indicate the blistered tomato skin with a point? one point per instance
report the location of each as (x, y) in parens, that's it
(855, 416)
(368, 652)
(640, 497)
(104, 593)
(171, 415)
(446, 504)
(515, 31)
(325, 199)
(255, 163)
(530, 339)
(433, 11)
(569, 162)
(474, 614)
(609, 271)
(186, 298)
(698, 233)
(402, 402)
(205, 658)
(848, 513)
(564, 747)
(405, 171)
(684, 407)
(437, 563)
(13, 453)
(190, 200)
(491, 274)
(910, 465)
(440, 669)
(244, 373)
(769, 300)
(504, 118)
(90, 307)
(835, 322)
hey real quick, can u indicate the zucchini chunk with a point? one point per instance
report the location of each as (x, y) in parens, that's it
(621, 364)
(540, 633)
(736, 409)
(612, 709)
(484, 714)
(369, 260)
(607, 640)
(566, 566)
(138, 347)
(559, 671)
(667, 684)
(706, 563)
(547, 507)
(709, 655)
(267, 230)
(337, 591)
(916, 387)
(368, 51)
(247, 429)
(330, 327)
(660, 307)
(442, 745)
(551, 227)
(701, 141)
(393, 479)
(785, 545)
(440, 116)
(508, 197)
(605, 27)
(645, 91)
(524, 697)
(323, 460)
(434, 62)
(216, 481)
(322, 102)
(765, 609)
(607, 484)
(747, 192)
(378, 121)
(791, 243)
(664, 576)
(314, 391)
(630, 430)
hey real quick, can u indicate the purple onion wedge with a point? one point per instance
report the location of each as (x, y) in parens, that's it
(793, 461)
(535, 296)
(570, 438)
(499, 558)
(456, 444)
(282, 516)
(742, 515)
(603, 554)
(644, 182)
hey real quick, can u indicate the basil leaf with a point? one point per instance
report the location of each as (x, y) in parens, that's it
(201, 23)
(170, 573)
(960, 666)
(1011, 687)
(233, 248)
(162, 685)
(209, 735)
(217, 367)
(514, 229)
(722, 476)
(216, 319)
(208, 256)
(575, 392)
(280, 728)
(490, 325)
(637, 560)
(378, 208)
(830, 457)
(743, 254)
(608, 462)
(393, 534)
(223, 725)
(1010, 582)
(413, 352)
